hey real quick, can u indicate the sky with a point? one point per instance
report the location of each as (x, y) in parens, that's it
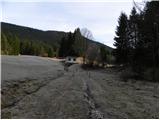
(98, 16)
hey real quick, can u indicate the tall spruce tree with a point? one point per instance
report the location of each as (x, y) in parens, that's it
(133, 35)
(121, 40)
(67, 46)
(70, 45)
(62, 48)
(151, 21)
(133, 28)
(151, 37)
(78, 42)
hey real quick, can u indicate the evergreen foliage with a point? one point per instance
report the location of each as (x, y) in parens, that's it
(72, 45)
(142, 35)
(121, 40)
(11, 45)
(28, 41)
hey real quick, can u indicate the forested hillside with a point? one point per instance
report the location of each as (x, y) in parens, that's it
(28, 41)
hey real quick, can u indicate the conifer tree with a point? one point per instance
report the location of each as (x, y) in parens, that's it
(121, 40)
(78, 42)
(50, 52)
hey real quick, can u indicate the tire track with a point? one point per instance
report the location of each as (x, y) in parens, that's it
(94, 113)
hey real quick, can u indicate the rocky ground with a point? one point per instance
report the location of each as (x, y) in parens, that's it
(35, 87)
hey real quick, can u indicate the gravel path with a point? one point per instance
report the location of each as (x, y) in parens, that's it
(35, 87)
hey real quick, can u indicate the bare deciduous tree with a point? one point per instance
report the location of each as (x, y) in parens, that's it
(87, 33)
(139, 6)
(92, 53)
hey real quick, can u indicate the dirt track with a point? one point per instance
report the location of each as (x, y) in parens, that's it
(35, 87)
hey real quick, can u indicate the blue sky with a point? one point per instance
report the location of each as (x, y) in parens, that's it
(100, 17)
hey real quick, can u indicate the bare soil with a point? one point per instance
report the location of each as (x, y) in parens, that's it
(35, 87)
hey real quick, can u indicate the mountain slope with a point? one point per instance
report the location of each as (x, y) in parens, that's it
(52, 38)
(32, 34)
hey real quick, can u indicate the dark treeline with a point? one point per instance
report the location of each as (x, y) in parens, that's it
(12, 45)
(71, 44)
(77, 45)
(137, 41)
